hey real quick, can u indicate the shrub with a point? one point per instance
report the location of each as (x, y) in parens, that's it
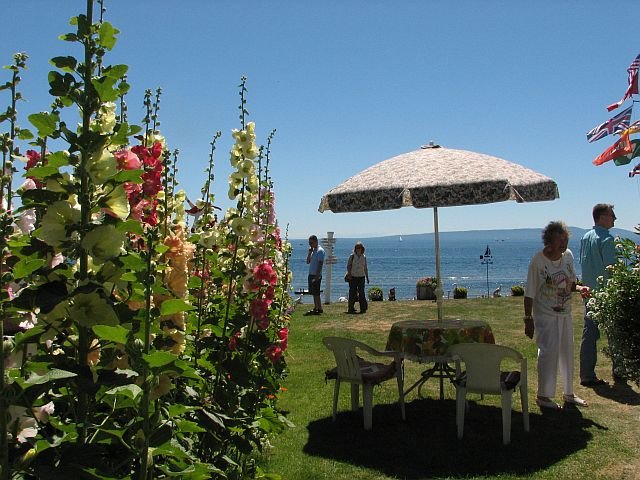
(517, 291)
(616, 310)
(460, 292)
(375, 294)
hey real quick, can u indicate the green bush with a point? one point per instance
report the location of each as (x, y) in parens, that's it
(616, 310)
(375, 294)
(517, 291)
(460, 292)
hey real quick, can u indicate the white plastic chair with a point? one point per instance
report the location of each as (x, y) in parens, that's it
(482, 374)
(350, 368)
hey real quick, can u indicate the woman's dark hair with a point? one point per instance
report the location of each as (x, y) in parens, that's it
(552, 229)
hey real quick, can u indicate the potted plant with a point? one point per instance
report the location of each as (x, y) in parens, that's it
(375, 294)
(425, 288)
(460, 292)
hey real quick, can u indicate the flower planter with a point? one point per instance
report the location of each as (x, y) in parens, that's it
(425, 292)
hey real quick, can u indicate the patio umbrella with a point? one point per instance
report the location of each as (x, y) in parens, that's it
(433, 177)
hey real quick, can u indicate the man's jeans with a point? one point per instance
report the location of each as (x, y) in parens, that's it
(588, 350)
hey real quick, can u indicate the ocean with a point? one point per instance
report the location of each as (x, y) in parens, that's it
(399, 261)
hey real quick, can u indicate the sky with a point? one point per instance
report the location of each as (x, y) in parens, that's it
(347, 84)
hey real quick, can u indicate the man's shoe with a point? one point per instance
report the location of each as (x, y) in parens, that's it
(596, 382)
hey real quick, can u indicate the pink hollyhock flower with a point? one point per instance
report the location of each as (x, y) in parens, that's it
(283, 334)
(127, 160)
(264, 273)
(29, 184)
(258, 308)
(57, 259)
(273, 353)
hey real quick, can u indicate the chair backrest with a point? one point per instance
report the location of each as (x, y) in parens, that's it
(347, 362)
(482, 363)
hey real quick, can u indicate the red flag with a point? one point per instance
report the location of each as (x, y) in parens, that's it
(621, 147)
(632, 89)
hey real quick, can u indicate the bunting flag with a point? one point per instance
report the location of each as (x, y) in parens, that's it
(632, 89)
(621, 147)
(617, 124)
(626, 159)
(633, 128)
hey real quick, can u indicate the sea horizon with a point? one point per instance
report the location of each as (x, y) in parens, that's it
(398, 261)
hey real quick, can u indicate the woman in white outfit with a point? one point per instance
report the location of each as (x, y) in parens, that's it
(547, 312)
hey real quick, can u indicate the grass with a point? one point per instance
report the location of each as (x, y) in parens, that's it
(597, 442)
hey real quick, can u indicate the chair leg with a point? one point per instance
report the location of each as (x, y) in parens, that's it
(461, 405)
(401, 395)
(506, 416)
(355, 397)
(336, 391)
(367, 400)
(524, 400)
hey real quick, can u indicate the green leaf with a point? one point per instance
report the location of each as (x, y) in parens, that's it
(104, 87)
(41, 173)
(26, 266)
(131, 226)
(159, 359)
(131, 176)
(130, 277)
(117, 334)
(115, 71)
(161, 248)
(107, 35)
(188, 426)
(45, 122)
(58, 159)
(66, 64)
(194, 282)
(133, 261)
(25, 134)
(61, 85)
(50, 376)
(130, 391)
(178, 409)
(174, 305)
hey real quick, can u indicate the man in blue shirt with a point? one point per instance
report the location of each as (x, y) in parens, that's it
(315, 259)
(597, 251)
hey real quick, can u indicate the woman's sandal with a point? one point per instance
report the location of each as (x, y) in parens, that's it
(572, 399)
(544, 402)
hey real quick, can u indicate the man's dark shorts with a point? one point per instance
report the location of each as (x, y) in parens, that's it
(314, 284)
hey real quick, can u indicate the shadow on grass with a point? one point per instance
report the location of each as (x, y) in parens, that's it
(620, 392)
(426, 446)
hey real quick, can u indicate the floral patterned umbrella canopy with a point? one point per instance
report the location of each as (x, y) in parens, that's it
(433, 177)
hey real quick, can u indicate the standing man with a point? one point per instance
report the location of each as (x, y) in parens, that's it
(315, 259)
(597, 251)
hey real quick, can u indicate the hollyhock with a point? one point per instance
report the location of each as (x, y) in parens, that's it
(105, 120)
(259, 308)
(127, 160)
(29, 184)
(117, 203)
(89, 309)
(273, 353)
(42, 413)
(263, 323)
(26, 221)
(30, 321)
(93, 356)
(57, 259)
(59, 216)
(104, 243)
(264, 273)
(101, 167)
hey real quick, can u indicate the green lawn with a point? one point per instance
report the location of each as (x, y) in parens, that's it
(597, 442)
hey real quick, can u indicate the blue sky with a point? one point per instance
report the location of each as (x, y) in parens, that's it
(350, 83)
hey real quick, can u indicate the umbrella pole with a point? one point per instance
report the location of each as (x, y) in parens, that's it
(439, 291)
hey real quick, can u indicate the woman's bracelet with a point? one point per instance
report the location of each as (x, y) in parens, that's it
(527, 318)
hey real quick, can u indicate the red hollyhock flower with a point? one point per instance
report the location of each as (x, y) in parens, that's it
(273, 353)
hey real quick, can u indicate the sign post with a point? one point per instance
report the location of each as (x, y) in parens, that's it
(487, 259)
(329, 259)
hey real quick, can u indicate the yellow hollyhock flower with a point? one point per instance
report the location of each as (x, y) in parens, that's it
(59, 216)
(89, 309)
(103, 243)
(101, 167)
(117, 203)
